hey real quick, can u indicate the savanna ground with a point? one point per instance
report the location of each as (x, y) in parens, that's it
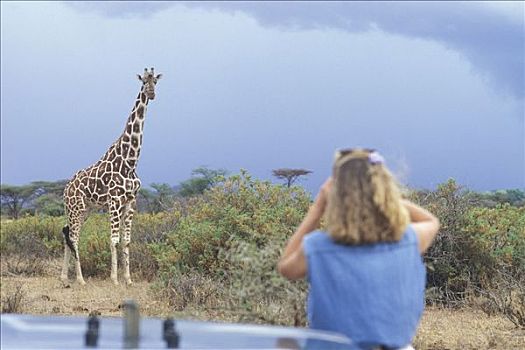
(212, 256)
(440, 328)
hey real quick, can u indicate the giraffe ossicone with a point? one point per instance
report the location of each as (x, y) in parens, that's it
(111, 183)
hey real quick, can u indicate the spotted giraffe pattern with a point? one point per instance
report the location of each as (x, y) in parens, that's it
(111, 183)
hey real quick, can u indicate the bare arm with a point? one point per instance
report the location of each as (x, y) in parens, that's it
(424, 223)
(292, 264)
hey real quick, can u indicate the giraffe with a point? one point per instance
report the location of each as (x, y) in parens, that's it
(111, 183)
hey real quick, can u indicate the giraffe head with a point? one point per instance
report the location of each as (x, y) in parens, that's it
(149, 80)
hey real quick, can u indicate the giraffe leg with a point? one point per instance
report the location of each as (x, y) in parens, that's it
(65, 265)
(76, 216)
(74, 236)
(114, 212)
(80, 278)
(126, 239)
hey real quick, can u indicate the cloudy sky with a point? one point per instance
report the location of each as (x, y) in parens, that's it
(437, 87)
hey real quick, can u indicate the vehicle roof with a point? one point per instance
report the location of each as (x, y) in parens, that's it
(64, 332)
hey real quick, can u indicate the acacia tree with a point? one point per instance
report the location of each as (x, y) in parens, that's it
(39, 196)
(202, 178)
(290, 175)
(15, 198)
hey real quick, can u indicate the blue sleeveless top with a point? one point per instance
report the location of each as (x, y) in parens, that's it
(372, 293)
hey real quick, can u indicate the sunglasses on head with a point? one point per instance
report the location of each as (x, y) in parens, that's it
(346, 151)
(373, 156)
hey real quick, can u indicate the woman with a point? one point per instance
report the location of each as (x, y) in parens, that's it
(365, 273)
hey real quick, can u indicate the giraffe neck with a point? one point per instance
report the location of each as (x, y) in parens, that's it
(129, 143)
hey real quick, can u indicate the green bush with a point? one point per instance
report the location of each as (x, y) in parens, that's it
(27, 244)
(29, 241)
(449, 277)
(94, 246)
(498, 258)
(478, 252)
(241, 208)
(147, 230)
(498, 234)
(255, 289)
(43, 230)
(234, 234)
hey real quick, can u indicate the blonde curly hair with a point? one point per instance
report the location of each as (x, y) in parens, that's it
(364, 204)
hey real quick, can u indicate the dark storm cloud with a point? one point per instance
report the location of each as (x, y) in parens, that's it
(493, 43)
(489, 40)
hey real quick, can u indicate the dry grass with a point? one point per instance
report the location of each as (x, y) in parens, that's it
(48, 296)
(467, 329)
(13, 301)
(440, 328)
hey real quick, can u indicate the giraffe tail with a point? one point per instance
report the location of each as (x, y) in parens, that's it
(69, 242)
